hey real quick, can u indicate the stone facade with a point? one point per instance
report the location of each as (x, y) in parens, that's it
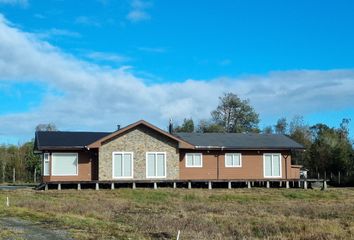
(139, 140)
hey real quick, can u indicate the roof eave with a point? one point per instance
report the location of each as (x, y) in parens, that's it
(245, 148)
(60, 148)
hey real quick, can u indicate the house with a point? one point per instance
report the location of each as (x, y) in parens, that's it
(144, 152)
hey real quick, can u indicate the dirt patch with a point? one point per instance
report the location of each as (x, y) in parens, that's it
(14, 228)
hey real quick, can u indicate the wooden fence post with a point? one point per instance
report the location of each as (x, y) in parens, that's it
(3, 171)
(14, 175)
(35, 176)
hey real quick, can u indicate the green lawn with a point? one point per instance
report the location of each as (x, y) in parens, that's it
(199, 213)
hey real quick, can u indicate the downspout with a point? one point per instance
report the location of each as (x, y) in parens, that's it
(286, 166)
(218, 163)
(217, 166)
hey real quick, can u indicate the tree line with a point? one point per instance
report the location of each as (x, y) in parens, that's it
(18, 162)
(327, 149)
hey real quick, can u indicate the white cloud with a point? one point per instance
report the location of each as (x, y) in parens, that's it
(87, 21)
(107, 57)
(97, 98)
(152, 49)
(39, 16)
(55, 32)
(138, 11)
(22, 3)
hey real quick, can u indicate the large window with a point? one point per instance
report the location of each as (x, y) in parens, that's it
(194, 160)
(122, 165)
(272, 165)
(155, 165)
(46, 171)
(64, 164)
(233, 160)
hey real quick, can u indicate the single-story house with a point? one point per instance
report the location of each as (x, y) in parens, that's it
(142, 151)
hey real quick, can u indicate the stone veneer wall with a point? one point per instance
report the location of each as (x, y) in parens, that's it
(139, 141)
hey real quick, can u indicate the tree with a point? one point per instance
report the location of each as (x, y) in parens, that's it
(235, 115)
(281, 126)
(300, 132)
(268, 130)
(187, 126)
(330, 151)
(208, 127)
(344, 127)
(32, 161)
(46, 127)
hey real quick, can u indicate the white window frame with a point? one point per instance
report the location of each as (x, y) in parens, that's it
(44, 163)
(146, 164)
(233, 166)
(68, 153)
(194, 166)
(132, 168)
(280, 165)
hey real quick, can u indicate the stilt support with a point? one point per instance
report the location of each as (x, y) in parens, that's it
(287, 184)
(133, 185)
(97, 186)
(248, 184)
(267, 184)
(229, 185)
(112, 186)
(210, 185)
(78, 186)
(46, 187)
(305, 184)
(299, 184)
(174, 185)
(189, 185)
(324, 185)
(59, 186)
(155, 185)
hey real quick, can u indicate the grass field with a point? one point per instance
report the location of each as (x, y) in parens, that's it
(199, 213)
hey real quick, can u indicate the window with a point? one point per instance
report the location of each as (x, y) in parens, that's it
(233, 160)
(64, 164)
(122, 165)
(194, 160)
(46, 171)
(272, 164)
(155, 165)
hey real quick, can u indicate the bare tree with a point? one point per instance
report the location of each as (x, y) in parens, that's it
(46, 127)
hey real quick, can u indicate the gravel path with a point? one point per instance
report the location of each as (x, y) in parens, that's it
(7, 187)
(14, 228)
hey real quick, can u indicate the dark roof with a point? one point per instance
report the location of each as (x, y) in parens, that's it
(78, 140)
(65, 140)
(240, 140)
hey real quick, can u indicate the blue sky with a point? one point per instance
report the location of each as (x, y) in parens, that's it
(89, 65)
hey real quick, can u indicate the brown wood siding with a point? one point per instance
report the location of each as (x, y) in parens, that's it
(252, 166)
(86, 167)
(295, 171)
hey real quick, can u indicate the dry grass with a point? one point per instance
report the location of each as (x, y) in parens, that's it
(199, 213)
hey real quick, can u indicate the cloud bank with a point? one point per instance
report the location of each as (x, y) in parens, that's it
(86, 96)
